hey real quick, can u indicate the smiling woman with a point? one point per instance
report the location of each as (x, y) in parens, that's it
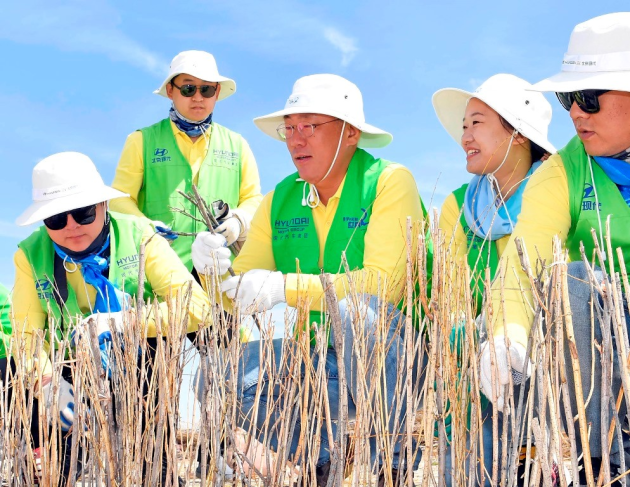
(502, 128)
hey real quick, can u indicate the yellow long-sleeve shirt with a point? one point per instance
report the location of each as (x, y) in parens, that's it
(385, 253)
(164, 272)
(450, 224)
(545, 213)
(130, 173)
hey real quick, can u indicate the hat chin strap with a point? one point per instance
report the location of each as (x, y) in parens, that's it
(313, 200)
(494, 184)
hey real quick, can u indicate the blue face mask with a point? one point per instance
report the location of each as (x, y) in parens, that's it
(189, 127)
(487, 215)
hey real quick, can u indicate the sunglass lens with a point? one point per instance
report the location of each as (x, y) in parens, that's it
(188, 90)
(207, 91)
(57, 222)
(587, 100)
(85, 215)
(565, 99)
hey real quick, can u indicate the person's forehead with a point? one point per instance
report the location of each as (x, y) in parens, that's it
(300, 117)
(189, 78)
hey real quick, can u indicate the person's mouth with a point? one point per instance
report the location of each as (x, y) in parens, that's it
(470, 153)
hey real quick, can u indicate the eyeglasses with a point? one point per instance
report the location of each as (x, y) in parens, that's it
(306, 129)
(207, 91)
(587, 100)
(83, 216)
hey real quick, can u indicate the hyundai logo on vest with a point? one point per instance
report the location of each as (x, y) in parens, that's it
(161, 155)
(297, 224)
(44, 289)
(588, 198)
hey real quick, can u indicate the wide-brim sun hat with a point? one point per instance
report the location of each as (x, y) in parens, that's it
(511, 97)
(63, 182)
(326, 94)
(598, 57)
(199, 64)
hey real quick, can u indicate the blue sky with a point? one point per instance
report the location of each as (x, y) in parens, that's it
(79, 75)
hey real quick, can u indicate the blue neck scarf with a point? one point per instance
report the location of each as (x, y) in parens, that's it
(189, 127)
(618, 170)
(484, 211)
(108, 298)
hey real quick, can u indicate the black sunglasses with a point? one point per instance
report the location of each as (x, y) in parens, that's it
(587, 100)
(207, 91)
(83, 216)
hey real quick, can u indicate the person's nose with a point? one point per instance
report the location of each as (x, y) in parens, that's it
(71, 223)
(576, 112)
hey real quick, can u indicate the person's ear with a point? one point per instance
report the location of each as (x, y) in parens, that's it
(169, 90)
(519, 139)
(216, 95)
(353, 134)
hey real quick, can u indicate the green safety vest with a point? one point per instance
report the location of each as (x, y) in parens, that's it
(480, 252)
(583, 205)
(5, 320)
(126, 233)
(294, 238)
(166, 171)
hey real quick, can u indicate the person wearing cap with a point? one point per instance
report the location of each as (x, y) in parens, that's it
(340, 199)
(188, 147)
(573, 193)
(84, 263)
(502, 127)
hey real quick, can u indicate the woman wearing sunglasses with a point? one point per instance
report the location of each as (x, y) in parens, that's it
(186, 148)
(83, 261)
(577, 192)
(502, 128)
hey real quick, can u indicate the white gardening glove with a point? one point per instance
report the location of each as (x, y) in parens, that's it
(259, 290)
(208, 249)
(519, 367)
(65, 403)
(230, 228)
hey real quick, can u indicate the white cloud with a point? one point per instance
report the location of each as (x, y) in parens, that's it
(76, 26)
(282, 29)
(346, 45)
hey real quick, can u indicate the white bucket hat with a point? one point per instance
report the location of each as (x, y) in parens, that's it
(508, 95)
(598, 57)
(327, 94)
(63, 182)
(199, 64)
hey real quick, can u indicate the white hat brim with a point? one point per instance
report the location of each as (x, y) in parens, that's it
(41, 210)
(567, 81)
(371, 136)
(228, 86)
(450, 108)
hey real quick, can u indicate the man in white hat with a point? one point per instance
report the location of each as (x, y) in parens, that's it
(186, 148)
(573, 193)
(341, 199)
(84, 262)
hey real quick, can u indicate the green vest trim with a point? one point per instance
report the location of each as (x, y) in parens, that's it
(166, 171)
(584, 208)
(480, 253)
(125, 237)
